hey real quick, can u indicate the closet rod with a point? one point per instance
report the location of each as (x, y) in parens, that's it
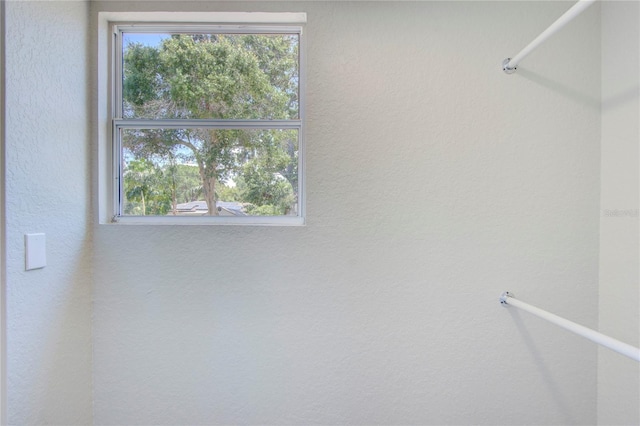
(509, 65)
(609, 342)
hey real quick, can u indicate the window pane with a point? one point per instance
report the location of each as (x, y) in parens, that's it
(210, 76)
(201, 172)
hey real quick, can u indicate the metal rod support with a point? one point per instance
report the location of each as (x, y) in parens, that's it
(510, 64)
(597, 337)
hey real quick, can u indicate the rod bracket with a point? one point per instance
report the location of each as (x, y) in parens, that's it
(503, 298)
(506, 68)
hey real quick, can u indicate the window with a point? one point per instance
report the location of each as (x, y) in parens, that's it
(206, 122)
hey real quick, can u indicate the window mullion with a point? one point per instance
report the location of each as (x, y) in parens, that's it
(212, 124)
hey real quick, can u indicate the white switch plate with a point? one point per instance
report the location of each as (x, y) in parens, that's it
(35, 251)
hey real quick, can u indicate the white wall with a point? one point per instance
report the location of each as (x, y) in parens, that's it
(3, 239)
(47, 190)
(435, 182)
(619, 297)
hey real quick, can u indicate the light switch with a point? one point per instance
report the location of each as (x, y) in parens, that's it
(35, 251)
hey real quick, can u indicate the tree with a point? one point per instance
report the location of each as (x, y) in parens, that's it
(143, 190)
(188, 186)
(264, 182)
(214, 76)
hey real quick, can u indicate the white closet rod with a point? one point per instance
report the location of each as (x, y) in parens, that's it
(609, 342)
(509, 65)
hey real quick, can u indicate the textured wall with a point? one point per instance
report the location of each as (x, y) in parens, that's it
(3, 269)
(435, 182)
(619, 298)
(47, 190)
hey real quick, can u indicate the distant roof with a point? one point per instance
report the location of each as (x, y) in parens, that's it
(236, 209)
(200, 208)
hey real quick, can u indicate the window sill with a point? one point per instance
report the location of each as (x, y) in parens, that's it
(210, 220)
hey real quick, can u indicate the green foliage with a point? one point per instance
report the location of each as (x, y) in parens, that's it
(144, 190)
(222, 76)
(264, 210)
(263, 185)
(141, 81)
(229, 193)
(186, 182)
(216, 76)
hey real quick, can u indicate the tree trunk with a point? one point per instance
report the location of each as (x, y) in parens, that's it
(174, 203)
(208, 189)
(174, 196)
(210, 195)
(208, 181)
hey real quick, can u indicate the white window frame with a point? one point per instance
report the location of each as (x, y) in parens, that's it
(110, 118)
